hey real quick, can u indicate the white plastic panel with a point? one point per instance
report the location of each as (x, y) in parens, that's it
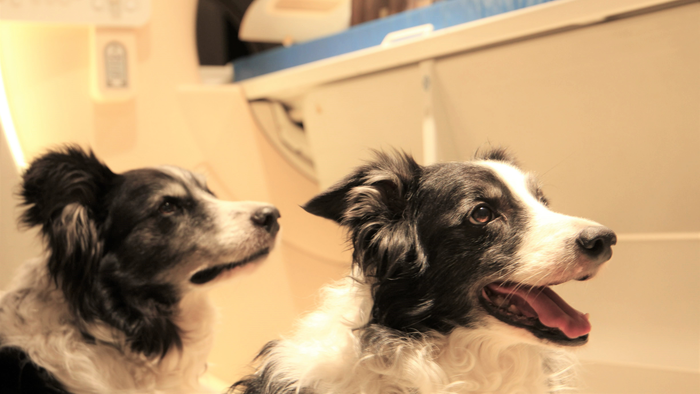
(607, 115)
(113, 13)
(346, 119)
(512, 26)
(292, 21)
(644, 305)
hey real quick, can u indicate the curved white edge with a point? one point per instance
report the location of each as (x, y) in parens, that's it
(263, 22)
(8, 128)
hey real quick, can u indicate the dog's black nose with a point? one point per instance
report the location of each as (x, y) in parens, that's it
(266, 218)
(596, 242)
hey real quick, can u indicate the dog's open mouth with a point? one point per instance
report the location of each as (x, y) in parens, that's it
(209, 274)
(537, 309)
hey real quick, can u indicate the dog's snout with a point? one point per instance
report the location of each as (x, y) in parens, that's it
(266, 218)
(597, 242)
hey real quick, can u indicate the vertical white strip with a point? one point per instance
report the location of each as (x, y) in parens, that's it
(8, 127)
(430, 143)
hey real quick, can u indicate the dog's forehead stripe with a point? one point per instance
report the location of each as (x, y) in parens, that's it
(185, 177)
(176, 172)
(174, 189)
(523, 185)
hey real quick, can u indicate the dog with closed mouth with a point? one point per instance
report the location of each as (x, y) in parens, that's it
(120, 304)
(450, 290)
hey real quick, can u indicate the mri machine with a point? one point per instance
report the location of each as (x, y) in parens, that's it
(600, 97)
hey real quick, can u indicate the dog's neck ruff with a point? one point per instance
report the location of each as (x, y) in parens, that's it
(94, 358)
(334, 351)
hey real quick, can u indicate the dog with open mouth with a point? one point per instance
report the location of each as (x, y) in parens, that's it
(120, 303)
(450, 290)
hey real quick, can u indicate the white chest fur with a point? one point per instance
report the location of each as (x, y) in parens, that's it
(35, 317)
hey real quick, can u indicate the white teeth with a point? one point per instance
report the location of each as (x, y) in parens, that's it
(501, 302)
(504, 303)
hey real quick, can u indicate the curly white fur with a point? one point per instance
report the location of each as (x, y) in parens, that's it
(330, 353)
(36, 318)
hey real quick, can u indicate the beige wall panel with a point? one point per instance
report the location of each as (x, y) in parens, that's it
(346, 119)
(602, 378)
(643, 305)
(608, 116)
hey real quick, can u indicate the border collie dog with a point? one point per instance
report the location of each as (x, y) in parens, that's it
(119, 303)
(450, 288)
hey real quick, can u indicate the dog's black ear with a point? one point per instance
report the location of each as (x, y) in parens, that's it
(63, 191)
(374, 203)
(333, 203)
(379, 187)
(60, 178)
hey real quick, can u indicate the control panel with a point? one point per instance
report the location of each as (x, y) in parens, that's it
(113, 64)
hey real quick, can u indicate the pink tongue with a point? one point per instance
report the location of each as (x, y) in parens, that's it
(551, 309)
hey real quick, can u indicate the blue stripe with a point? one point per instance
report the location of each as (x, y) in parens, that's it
(442, 14)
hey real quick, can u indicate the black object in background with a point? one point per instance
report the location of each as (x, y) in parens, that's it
(19, 375)
(217, 27)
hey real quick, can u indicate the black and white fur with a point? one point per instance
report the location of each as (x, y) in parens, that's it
(119, 304)
(414, 317)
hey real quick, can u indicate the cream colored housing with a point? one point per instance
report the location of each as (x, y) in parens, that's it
(601, 98)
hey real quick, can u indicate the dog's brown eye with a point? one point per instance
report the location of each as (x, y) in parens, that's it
(168, 208)
(481, 215)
